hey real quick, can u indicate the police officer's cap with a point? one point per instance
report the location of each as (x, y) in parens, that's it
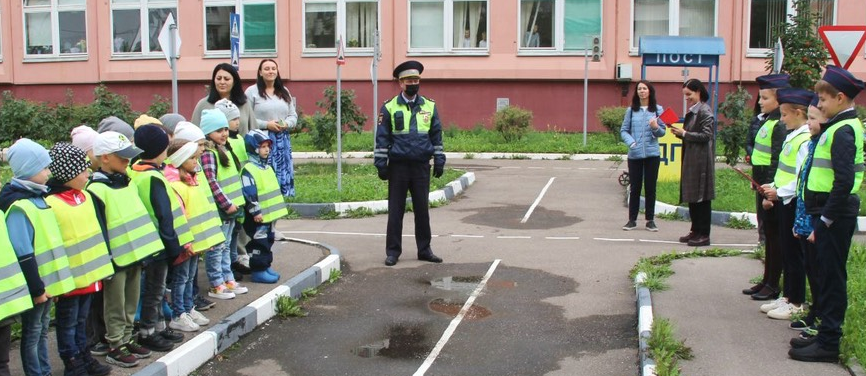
(795, 96)
(843, 81)
(410, 68)
(773, 81)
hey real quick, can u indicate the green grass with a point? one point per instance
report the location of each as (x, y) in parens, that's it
(317, 182)
(658, 268)
(854, 340)
(665, 349)
(487, 141)
(288, 306)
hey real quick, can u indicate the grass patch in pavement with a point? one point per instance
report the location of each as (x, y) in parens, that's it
(665, 349)
(854, 338)
(317, 183)
(658, 268)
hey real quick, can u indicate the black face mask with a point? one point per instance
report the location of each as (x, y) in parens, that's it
(411, 90)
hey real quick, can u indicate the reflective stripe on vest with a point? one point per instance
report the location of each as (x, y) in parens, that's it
(239, 149)
(142, 180)
(14, 296)
(787, 171)
(202, 182)
(202, 216)
(423, 118)
(82, 238)
(271, 202)
(131, 234)
(48, 249)
(229, 179)
(821, 175)
(762, 154)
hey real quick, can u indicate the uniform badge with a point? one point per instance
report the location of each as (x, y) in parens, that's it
(380, 119)
(763, 133)
(425, 115)
(823, 139)
(788, 149)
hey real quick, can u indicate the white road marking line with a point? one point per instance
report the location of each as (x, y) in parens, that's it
(513, 237)
(733, 245)
(455, 322)
(466, 236)
(511, 167)
(658, 241)
(613, 240)
(536, 168)
(562, 168)
(333, 233)
(537, 200)
(562, 237)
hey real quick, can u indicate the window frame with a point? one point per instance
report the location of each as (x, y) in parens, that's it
(54, 10)
(448, 32)
(673, 23)
(144, 7)
(558, 48)
(239, 9)
(340, 29)
(764, 52)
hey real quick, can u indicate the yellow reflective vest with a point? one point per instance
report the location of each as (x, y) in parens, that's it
(787, 171)
(271, 202)
(821, 175)
(239, 149)
(202, 216)
(85, 245)
(762, 154)
(14, 296)
(142, 180)
(48, 248)
(229, 179)
(131, 234)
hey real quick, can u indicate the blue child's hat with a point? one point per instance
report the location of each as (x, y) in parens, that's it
(794, 96)
(773, 81)
(27, 158)
(843, 81)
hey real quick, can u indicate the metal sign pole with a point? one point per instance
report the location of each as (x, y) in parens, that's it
(340, 62)
(374, 74)
(585, 87)
(172, 33)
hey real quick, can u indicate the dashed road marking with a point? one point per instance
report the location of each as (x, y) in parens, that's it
(562, 237)
(513, 237)
(537, 200)
(613, 239)
(466, 236)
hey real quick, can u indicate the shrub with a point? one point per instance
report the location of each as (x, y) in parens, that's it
(350, 114)
(805, 54)
(160, 106)
(611, 118)
(323, 131)
(512, 122)
(107, 104)
(733, 134)
(16, 116)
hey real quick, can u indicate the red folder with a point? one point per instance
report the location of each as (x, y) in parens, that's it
(669, 116)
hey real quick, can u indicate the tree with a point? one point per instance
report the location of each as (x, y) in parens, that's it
(734, 132)
(805, 53)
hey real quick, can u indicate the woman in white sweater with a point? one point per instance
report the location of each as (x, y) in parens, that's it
(226, 83)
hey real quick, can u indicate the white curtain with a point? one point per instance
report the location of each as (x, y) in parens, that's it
(697, 18)
(474, 18)
(38, 29)
(526, 21)
(361, 23)
(651, 17)
(466, 11)
(426, 29)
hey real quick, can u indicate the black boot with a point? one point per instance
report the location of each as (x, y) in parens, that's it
(94, 367)
(74, 367)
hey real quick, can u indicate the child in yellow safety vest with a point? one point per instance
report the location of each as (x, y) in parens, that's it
(14, 296)
(238, 153)
(264, 205)
(204, 225)
(132, 237)
(85, 240)
(38, 244)
(223, 180)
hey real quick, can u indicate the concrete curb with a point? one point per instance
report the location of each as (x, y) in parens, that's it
(201, 348)
(447, 193)
(463, 155)
(644, 324)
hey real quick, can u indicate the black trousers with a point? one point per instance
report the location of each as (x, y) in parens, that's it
(810, 256)
(832, 245)
(413, 178)
(642, 172)
(701, 217)
(773, 252)
(5, 344)
(792, 255)
(96, 321)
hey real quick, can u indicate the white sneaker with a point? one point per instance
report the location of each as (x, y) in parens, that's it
(236, 288)
(785, 312)
(184, 323)
(220, 292)
(774, 304)
(198, 318)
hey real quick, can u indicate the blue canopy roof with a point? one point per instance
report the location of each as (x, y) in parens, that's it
(681, 45)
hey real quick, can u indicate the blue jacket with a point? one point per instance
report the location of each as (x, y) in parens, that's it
(636, 130)
(415, 146)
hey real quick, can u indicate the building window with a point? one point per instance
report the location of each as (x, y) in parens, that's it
(136, 24)
(695, 18)
(55, 27)
(559, 25)
(258, 33)
(326, 21)
(448, 26)
(767, 15)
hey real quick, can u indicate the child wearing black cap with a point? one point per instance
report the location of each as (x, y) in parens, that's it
(831, 186)
(85, 239)
(166, 214)
(781, 193)
(765, 159)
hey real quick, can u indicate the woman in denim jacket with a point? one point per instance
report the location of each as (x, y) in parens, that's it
(641, 130)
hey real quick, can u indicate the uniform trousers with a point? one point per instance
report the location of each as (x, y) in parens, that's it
(414, 178)
(792, 255)
(772, 251)
(701, 214)
(832, 245)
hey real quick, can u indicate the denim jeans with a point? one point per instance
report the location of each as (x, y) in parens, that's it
(181, 286)
(152, 293)
(34, 340)
(71, 318)
(218, 263)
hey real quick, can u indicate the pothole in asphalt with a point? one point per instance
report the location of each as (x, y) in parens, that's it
(475, 312)
(404, 341)
(509, 216)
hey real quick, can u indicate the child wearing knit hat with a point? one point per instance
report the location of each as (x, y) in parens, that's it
(34, 233)
(164, 208)
(222, 175)
(115, 124)
(235, 146)
(83, 237)
(82, 137)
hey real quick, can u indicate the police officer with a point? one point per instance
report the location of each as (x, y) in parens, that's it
(408, 135)
(832, 181)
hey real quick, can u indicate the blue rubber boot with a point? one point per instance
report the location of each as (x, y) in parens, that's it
(273, 272)
(264, 277)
